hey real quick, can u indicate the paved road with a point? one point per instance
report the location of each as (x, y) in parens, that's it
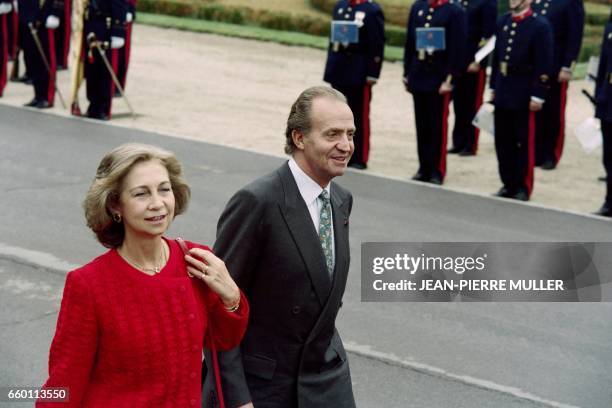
(403, 355)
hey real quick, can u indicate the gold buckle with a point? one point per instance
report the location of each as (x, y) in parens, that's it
(503, 68)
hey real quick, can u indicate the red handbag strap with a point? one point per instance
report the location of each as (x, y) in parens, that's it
(213, 349)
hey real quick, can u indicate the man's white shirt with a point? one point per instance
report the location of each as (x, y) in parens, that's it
(310, 191)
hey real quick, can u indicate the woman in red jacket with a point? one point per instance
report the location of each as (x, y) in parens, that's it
(132, 324)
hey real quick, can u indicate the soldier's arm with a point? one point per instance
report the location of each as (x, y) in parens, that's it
(489, 17)
(495, 59)
(119, 10)
(602, 73)
(457, 40)
(410, 44)
(575, 19)
(542, 62)
(375, 23)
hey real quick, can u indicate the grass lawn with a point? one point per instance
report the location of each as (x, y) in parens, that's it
(249, 32)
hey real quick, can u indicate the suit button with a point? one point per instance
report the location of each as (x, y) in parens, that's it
(341, 303)
(296, 310)
(509, 49)
(193, 375)
(191, 316)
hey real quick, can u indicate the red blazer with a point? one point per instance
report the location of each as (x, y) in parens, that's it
(127, 339)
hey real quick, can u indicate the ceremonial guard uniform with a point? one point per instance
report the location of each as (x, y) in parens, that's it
(521, 65)
(428, 75)
(566, 18)
(5, 9)
(62, 34)
(105, 19)
(603, 98)
(352, 68)
(469, 87)
(42, 15)
(124, 53)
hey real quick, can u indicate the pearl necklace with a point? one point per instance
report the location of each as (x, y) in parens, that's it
(155, 269)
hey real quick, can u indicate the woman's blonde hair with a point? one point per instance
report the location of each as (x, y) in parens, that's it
(104, 191)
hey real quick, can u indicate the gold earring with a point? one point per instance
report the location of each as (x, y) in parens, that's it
(117, 218)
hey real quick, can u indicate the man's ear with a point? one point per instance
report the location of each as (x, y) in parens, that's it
(298, 139)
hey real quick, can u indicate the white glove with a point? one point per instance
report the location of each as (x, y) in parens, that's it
(117, 42)
(5, 8)
(52, 22)
(129, 17)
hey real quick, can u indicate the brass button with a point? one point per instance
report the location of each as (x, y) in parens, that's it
(426, 24)
(428, 18)
(512, 32)
(513, 25)
(509, 49)
(510, 41)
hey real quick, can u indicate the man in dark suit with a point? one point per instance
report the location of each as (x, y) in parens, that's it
(566, 18)
(519, 84)
(603, 98)
(285, 241)
(354, 67)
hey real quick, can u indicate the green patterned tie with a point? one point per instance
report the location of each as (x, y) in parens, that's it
(325, 230)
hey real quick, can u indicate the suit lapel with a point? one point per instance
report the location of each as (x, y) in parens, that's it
(304, 234)
(341, 217)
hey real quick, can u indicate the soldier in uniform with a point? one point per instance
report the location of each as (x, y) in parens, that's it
(62, 34)
(603, 99)
(105, 19)
(429, 76)
(469, 87)
(124, 53)
(354, 68)
(43, 16)
(522, 61)
(566, 18)
(5, 9)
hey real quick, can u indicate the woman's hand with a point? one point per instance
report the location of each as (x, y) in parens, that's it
(211, 269)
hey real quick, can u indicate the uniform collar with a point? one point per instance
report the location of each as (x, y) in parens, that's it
(436, 3)
(523, 15)
(356, 2)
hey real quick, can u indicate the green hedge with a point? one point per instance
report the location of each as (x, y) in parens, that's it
(237, 15)
(395, 34)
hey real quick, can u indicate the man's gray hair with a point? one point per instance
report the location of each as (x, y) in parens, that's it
(300, 115)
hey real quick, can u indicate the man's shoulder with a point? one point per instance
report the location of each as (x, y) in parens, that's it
(264, 187)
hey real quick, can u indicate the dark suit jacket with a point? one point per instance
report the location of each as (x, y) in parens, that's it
(291, 354)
